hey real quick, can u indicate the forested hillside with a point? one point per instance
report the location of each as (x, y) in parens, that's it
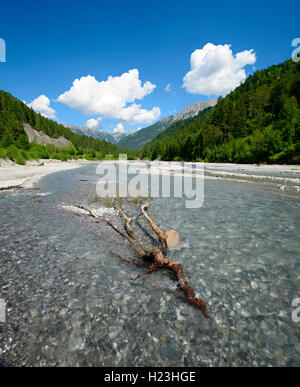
(258, 122)
(14, 141)
(178, 127)
(144, 136)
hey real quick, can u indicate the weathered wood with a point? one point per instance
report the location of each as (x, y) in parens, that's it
(153, 259)
(160, 235)
(10, 188)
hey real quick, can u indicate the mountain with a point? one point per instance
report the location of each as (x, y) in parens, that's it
(26, 134)
(138, 139)
(257, 122)
(114, 138)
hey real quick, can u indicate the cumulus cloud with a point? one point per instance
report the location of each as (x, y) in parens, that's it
(136, 115)
(216, 71)
(94, 123)
(114, 98)
(119, 129)
(42, 105)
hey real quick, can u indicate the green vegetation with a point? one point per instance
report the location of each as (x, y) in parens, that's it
(14, 142)
(117, 200)
(144, 136)
(138, 139)
(178, 126)
(258, 122)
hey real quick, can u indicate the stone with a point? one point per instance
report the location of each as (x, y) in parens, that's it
(173, 238)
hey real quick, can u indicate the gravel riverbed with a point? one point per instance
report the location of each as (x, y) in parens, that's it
(70, 303)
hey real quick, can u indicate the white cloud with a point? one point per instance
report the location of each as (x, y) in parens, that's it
(94, 124)
(216, 71)
(168, 88)
(42, 105)
(119, 129)
(110, 98)
(136, 115)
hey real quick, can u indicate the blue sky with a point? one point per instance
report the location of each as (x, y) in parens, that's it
(51, 43)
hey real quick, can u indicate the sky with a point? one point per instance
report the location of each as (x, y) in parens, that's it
(121, 65)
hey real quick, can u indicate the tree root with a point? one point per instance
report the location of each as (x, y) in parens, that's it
(154, 259)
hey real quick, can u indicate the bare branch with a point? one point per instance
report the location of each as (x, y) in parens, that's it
(127, 222)
(160, 235)
(132, 261)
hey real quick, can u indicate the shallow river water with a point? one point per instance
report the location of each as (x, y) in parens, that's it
(70, 303)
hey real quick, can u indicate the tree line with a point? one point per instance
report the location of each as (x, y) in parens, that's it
(14, 140)
(257, 122)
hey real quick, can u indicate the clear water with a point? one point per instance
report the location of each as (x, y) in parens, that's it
(71, 303)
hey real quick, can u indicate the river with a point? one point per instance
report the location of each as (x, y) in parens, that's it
(71, 303)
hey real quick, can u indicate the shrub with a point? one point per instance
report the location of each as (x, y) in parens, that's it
(12, 152)
(60, 156)
(33, 155)
(20, 160)
(24, 154)
(3, 153)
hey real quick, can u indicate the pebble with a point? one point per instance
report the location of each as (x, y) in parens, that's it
(69, 303)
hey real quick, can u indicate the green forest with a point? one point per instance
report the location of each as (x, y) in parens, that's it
(258, 122)
(14, 142)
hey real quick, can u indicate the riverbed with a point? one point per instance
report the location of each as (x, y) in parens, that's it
(71, 303)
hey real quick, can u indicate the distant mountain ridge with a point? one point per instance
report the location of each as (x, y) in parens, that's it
(138, 139)
(114, 138)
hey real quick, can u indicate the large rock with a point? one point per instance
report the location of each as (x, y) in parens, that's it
(44, 139)
(173, 239)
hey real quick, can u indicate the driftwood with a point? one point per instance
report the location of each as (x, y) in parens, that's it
(153, 259)
(10, 188)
